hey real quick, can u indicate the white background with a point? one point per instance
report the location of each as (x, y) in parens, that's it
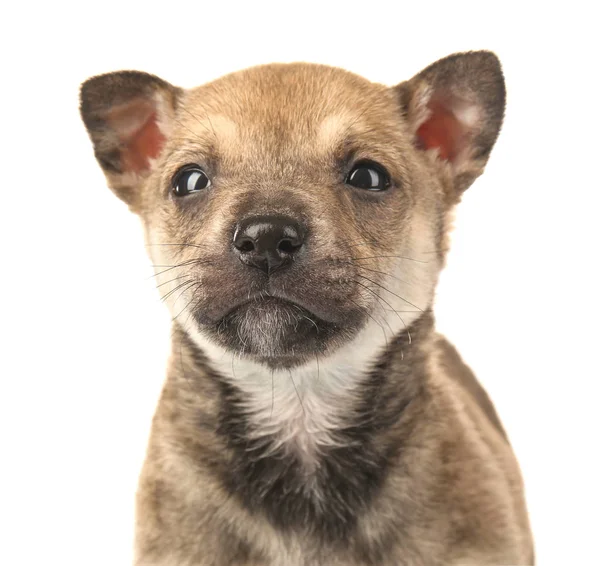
(85, 339)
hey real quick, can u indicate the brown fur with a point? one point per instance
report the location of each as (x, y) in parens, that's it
(417, 469)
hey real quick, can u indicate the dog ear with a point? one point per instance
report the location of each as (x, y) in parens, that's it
(454, 109)
(128, 116)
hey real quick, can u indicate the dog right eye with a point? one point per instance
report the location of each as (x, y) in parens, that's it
(369, 176)
(190, 179)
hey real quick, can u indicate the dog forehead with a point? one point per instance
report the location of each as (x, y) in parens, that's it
(271, 104)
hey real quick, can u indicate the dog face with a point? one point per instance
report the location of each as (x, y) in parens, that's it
(292, 211)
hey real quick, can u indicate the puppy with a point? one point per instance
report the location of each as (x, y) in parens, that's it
(297, 218)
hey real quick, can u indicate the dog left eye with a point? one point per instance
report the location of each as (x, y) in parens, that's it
(369, 176)
(190, 179)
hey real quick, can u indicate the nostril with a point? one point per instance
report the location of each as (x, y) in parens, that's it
(245, 246)
(288, 246)
(268, 242)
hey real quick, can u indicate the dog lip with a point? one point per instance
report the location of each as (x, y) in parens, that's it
(277, 298)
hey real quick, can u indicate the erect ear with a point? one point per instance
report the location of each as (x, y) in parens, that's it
(455, 109)
(128, 116)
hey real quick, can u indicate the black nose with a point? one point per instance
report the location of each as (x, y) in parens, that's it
(268, 242)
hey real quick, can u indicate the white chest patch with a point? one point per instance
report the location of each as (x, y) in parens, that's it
(303, 408)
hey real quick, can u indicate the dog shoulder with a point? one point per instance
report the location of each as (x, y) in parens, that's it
(461, 374)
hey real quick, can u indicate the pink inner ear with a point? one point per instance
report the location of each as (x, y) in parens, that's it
(145, 144)
(136, 125)
(442, 130)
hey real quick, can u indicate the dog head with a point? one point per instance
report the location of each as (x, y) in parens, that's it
(292, 210)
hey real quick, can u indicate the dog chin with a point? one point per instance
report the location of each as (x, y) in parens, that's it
(277, 333)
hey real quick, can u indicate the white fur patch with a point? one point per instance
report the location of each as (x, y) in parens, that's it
(218, 126)
(303, 407)
(333, 128)
(467, 114)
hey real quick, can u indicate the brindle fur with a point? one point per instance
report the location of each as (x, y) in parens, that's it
(413, 466)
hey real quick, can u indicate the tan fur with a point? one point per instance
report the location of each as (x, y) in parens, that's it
(271, 137)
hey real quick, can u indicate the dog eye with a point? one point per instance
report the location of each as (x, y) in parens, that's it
(369, 176)
(190, 179)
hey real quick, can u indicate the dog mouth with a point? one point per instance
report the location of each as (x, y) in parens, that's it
(272, 305)
(278, 331)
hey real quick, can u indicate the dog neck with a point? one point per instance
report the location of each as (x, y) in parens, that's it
(301, 410)
(324, 435)
(312, 443)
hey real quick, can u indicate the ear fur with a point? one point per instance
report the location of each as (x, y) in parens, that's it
(455, 109)
(128, 116)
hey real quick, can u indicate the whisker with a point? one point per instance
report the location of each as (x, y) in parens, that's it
(358, 242)
(181, 362)
(362, 243)
(169, 268)
(297, 394)
(366, 311)
(183, 244)
(306, 317)
(211, 126)
(167, 295)
(374, 271)
(394, 256)
(312, 321)
(195, 261)
(232, 368)
(180, 294)
(272, 392)
(173, 266)
(391, 293)
(183, 309)
(382, 273)
(388, 304)
(171, 280)
(200, 122)
(185, 127)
